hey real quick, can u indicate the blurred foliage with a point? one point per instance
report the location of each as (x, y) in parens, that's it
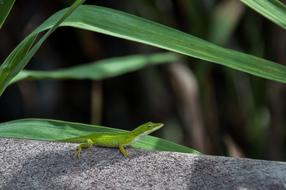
(5, 7)
(211, 108)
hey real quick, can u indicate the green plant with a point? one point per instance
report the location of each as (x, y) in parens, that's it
(126, 26)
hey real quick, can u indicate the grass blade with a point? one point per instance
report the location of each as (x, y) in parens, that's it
(54, 130)
(102, 69)
(5, 8)
(274, 10)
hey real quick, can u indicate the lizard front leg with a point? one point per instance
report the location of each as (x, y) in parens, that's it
(88, 144)
(122, 150)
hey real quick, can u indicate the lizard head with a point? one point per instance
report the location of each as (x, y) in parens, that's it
(147, 128)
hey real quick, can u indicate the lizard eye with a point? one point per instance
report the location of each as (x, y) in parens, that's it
(149, 124)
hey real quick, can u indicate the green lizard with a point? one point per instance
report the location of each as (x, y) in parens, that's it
(114, 139)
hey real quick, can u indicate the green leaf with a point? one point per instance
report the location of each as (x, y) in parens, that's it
(24, 52)
(53, 130)
(5, 8)
(102, 69)
(123, 25)
(274, 10)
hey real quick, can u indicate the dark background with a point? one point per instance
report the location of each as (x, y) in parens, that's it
(211, 108)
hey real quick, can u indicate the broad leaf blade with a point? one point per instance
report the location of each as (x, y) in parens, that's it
(53, 130)
(5, 8)
(274, 10)
(102, 69)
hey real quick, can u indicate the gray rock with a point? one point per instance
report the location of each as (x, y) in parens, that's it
(37, 165)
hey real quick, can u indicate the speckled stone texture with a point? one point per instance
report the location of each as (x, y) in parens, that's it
(38, 165)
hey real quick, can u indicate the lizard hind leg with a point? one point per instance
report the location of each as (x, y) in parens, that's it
(88, 144)
(122, 150)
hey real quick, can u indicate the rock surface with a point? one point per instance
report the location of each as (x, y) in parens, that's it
(37, 165)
